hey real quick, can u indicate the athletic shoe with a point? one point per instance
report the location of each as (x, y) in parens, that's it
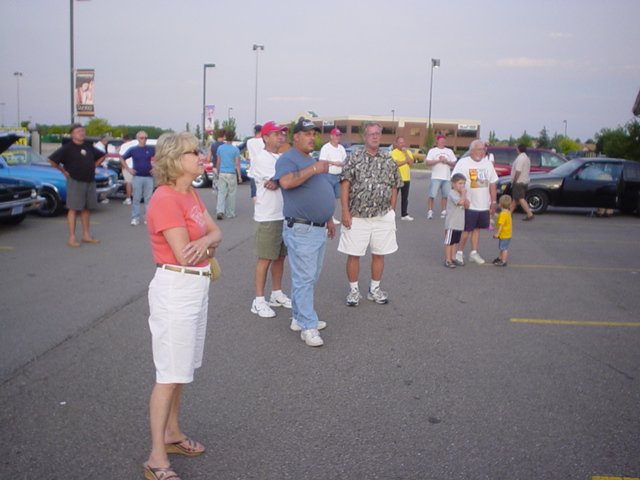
(459, 258)
(281, 301)
(296, 328)
(135, 222)
(220, 216)
(378, 295)
(262, 308)
(105, 200)
(353, 299)
(449, 265)
(311, 337)
(496, 260)
(475, 257)
(127, 201)
(501, 264)
(457, 263)
(430, 214)
(443, 214)
(407, 218)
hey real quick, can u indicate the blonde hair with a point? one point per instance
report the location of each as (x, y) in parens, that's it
(169, 149)
(505, 201)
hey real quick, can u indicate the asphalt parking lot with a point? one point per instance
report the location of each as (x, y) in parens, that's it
(524, 372)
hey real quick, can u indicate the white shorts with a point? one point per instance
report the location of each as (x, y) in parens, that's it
(128, 177)
(178, 304)
(379, 232)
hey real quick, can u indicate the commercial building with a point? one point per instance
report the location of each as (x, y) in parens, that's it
(459, 133)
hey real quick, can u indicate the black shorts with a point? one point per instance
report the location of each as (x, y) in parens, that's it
(452, 237)
(519, 190)
(476, 219)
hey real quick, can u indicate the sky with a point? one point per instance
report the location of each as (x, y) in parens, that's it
(513, 65)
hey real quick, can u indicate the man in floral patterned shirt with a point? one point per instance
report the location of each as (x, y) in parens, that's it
(369, 189)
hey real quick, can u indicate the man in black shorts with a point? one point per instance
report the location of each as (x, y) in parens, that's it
(78, 160)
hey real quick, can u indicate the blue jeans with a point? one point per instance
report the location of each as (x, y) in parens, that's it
(141, 186)
(306, 246)
(227, 186)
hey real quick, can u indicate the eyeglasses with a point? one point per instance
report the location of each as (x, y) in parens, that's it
(196, 152)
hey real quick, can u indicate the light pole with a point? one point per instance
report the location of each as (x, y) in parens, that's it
(73, 114)
(204, 97)
(393, 115)
(229, 114)
(435, 63)
(18, 75)
(2, 105)
(565, 128)
(256, 47)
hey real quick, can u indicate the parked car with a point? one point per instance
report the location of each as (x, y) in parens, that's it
(541, 160)
(17, 198)
(112, 162)
(418, 154)
(20, 161)
(584, 182)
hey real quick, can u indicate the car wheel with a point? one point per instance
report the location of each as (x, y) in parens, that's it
(14, 220)
(201, 181)
(538, 201)
(52, 205)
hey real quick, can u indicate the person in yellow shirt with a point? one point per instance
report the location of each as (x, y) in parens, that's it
(503, 232)
(404, 159)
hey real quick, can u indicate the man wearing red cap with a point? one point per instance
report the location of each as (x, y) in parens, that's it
(440, 159)
(335, 154)
(269, 246)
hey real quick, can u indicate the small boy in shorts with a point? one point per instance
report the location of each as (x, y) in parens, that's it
(454, 221)
(503, 232)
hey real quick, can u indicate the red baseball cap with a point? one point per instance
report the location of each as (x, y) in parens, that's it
(336, 131)
(272, 127)
(440, 136)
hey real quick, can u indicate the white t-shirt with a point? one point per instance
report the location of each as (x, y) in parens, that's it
(479, 176)
(268, 206)
(333, 154)
(441, 171)
(254, 146)
(521, 164)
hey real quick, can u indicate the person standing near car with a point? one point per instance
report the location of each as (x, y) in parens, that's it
(335, 154)
(481, 192)
(142, 181)
(126, 176)
(440, 159)
(254, 146)
(520, 181)
(404, 160)
(229, 176)
(78, 160)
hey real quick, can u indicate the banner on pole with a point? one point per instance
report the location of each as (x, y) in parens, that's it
(209, 118)
(84, 92)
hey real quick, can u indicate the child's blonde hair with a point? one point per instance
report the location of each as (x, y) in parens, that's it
(505, 201)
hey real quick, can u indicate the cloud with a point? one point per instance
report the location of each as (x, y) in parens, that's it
(560, 35)
(526, 62)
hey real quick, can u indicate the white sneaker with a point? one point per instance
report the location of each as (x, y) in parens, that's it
(407, 218)
(296, 328)
(378, 296)
(443, 214)
(475, 257)
(430, 214)
(336, 221)
(281, 301)
(460, 257)
(104, 201)
(262, 308)
(127, 201)
(311, 338)
(353, 299)
(135, 222)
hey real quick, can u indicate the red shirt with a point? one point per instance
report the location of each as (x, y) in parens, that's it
(170, 209)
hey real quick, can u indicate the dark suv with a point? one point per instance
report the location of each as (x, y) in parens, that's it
(541, 160)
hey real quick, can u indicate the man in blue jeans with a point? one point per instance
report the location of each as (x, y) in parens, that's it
(308, 207)
(142, 182)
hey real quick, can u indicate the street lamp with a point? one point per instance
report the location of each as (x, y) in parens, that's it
(565, 128)
(204, 98)
(229, 114)
(435, 63)
(18, 75)
(71, 56)
(393, 115)
(2, 105)
(256, 47)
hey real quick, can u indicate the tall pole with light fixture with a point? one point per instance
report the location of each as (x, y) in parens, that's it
(435, 63)
(256, 48)
(229, 114)
(565, 128)
(2, 105)
(204, 99)
(18, 75)
(71, 56)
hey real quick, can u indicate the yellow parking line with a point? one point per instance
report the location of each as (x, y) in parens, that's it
(51, 220)
(570, 267)
(7, 248)
(575, 322)
(614, 478)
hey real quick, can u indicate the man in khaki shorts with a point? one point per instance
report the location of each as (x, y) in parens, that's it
(369, 188)
(269, 245)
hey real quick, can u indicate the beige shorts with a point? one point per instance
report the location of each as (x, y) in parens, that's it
(377, 232)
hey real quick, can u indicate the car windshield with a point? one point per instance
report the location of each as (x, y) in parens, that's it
(566, 168)
(23, 156)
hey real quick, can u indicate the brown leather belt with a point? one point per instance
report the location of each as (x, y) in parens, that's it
(174, 268)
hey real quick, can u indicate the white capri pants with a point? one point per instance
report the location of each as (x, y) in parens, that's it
(379, 232)
(178, 304)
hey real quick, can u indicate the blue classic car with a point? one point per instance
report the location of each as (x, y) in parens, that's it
(20, 161)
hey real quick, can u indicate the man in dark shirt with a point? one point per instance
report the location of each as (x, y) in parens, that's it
(78, 160)
(308, 207)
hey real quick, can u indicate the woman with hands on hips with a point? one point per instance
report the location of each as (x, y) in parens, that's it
(183, 239)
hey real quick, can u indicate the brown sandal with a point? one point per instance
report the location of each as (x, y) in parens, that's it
(151, 473)
(189, 450)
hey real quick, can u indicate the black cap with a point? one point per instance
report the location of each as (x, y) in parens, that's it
(257, 128)
(305, 125)
(76, 125)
